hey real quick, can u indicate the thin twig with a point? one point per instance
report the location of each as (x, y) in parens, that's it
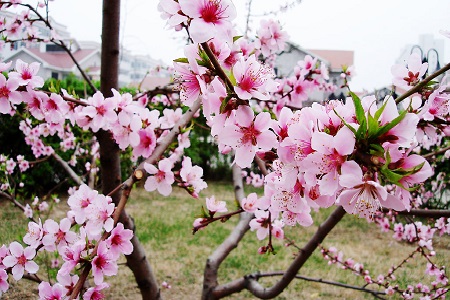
(320, 280)
(437, 152)
(217, 66)
(15, 202)
(427, 213)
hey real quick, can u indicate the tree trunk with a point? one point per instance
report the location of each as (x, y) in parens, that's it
(110, 152)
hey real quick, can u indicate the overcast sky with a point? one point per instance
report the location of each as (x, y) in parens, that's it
(376, 31)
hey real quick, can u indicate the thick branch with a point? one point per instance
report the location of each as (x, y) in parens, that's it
(250, 282)
(67, 168)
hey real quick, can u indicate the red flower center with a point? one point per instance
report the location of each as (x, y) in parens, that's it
(4, 92)
(212, 11)
(26, 75)
(249, 135)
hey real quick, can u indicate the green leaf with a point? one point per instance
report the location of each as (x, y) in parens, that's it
(362, 130)
(224, 104)
(204, 57)
(203, 213)
(231, 77)
(373, 126)
(380, 110)
(359, 110)
(235, 38)
(345, 123)
(52, 88)
(409, 171)
(391, 124)
(181, 60)
(390, 175)
(376, 149)
(431, 83)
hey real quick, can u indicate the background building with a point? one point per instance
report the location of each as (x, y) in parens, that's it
(134, 70)
(334, 59)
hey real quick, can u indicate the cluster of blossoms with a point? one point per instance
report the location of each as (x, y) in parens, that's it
(343, 153)
(39, 206)
(93, 212)
(132, 124)
(257, 180)
(436, 290)
(414, 232)
(7, 168)
(309, 75)
(10, 164)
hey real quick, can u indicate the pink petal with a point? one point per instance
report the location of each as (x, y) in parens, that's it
(31, 267)
(244, 156)
(17, 272)
(393, 202)
(245, 115)
(344, 141)
(16, 249)
(345, 199)
(9, 261)
(29, 252)
(322, 142)
(351, 174)
(266, 140)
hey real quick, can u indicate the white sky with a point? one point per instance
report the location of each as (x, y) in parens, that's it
(376, 31)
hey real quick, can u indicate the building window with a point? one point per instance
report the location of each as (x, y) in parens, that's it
(53, 48)
(55, 75)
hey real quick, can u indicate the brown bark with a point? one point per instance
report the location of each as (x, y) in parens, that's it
(250, 282)
(110, 152)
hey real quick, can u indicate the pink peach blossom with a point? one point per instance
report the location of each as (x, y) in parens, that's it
(160, 178)
(103, 263)
(248, 135)
(209, 18)
(20, 260)
(26, 74)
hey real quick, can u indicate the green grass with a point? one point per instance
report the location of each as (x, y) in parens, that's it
(164, 226)
(13, 223)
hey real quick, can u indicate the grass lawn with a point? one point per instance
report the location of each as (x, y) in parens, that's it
(163, 225)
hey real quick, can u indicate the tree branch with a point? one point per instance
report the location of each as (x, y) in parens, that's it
(83, 74)
(67, 168)
(15, 202)
(437, 152)
(320, 280)
(423, 83)
(217, 66)
(426, 213)
(250, 282)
